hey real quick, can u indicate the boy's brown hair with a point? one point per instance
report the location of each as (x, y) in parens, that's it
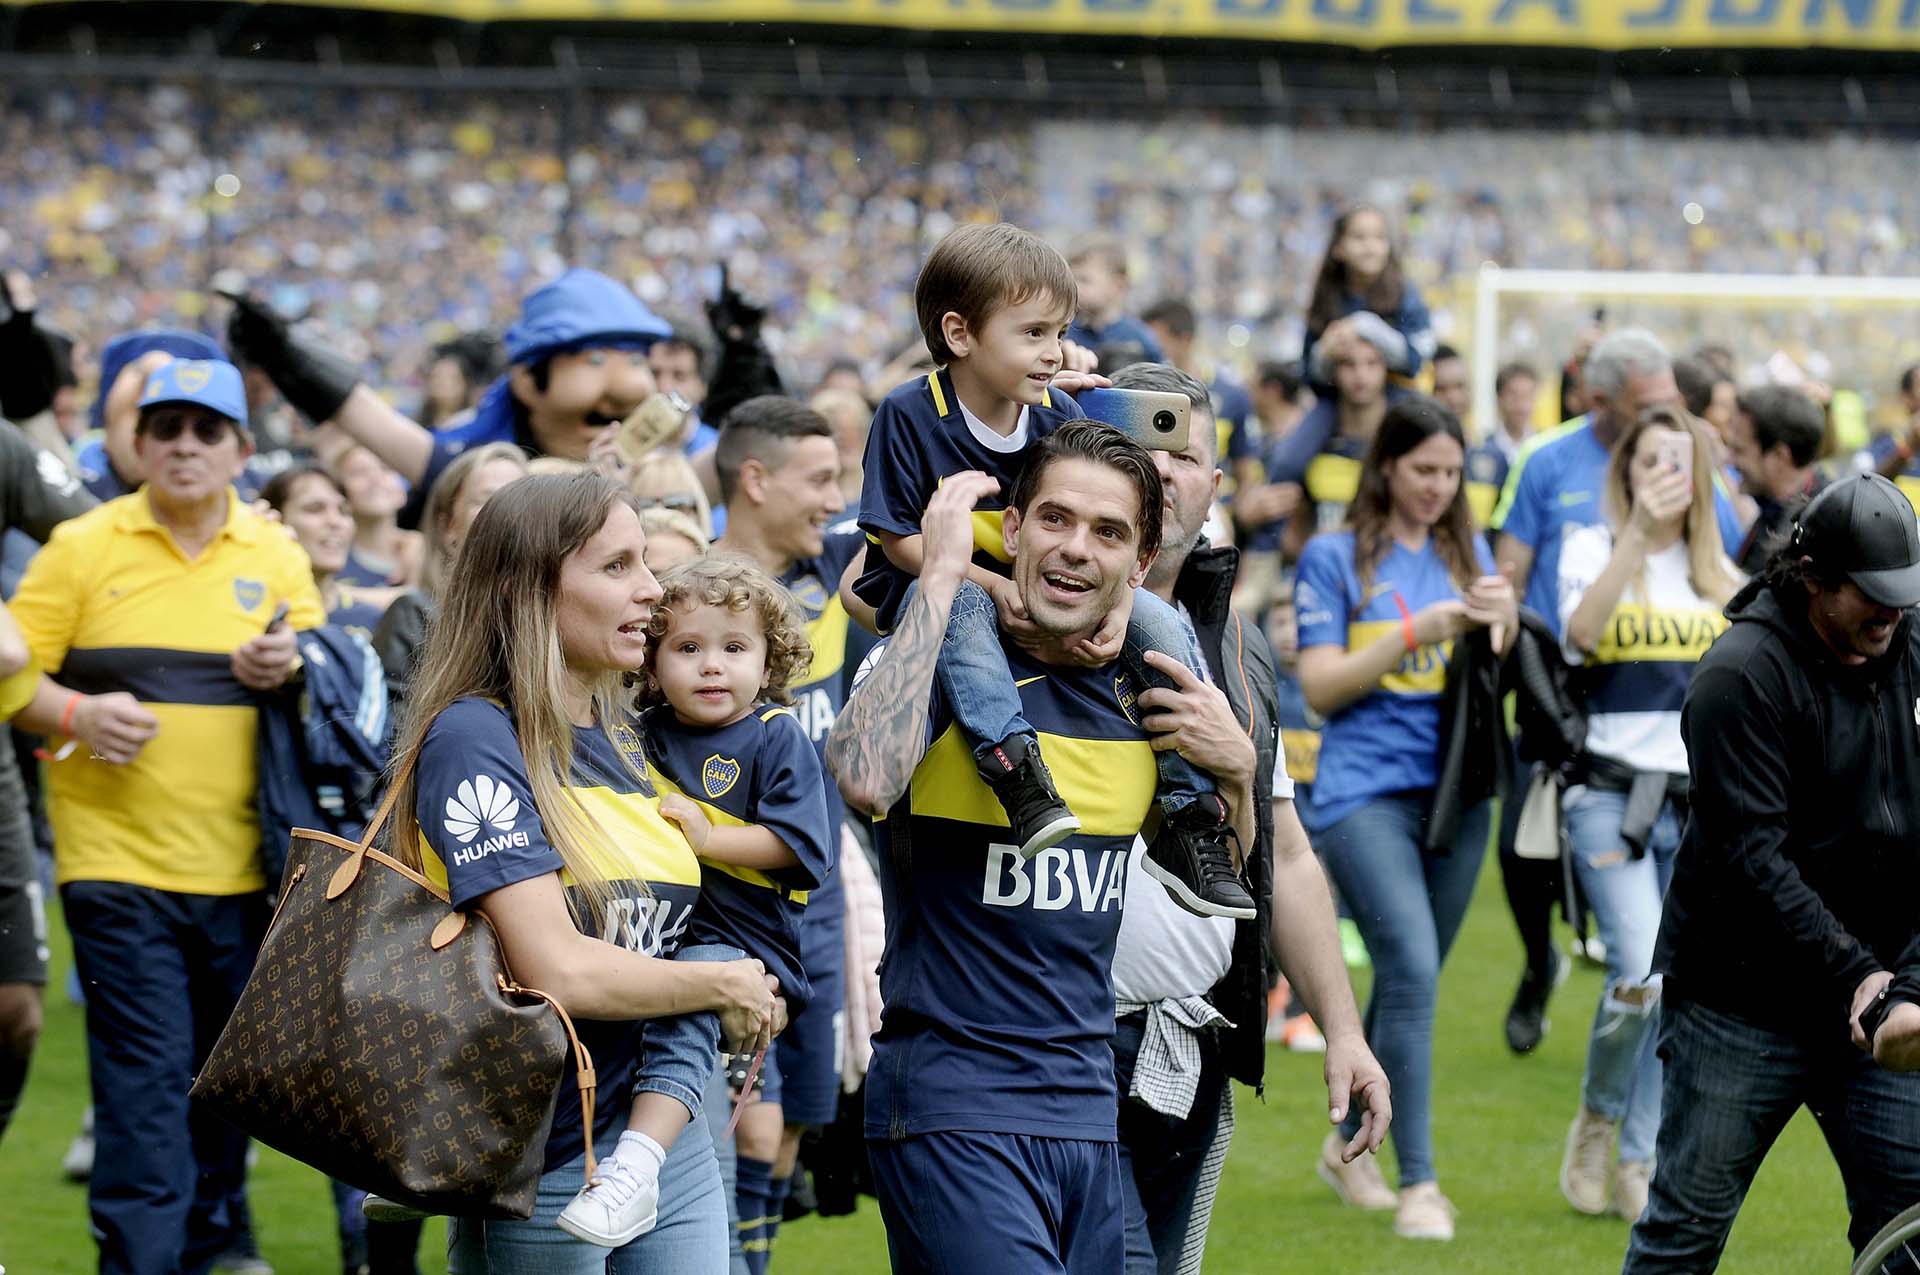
(733, 583)
(981, 268)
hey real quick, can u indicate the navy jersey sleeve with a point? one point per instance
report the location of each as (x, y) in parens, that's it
(790, 800)
(475, 805)
(897, 487)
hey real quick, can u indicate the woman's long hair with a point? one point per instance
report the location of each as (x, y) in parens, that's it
(1333, 283)
(1712, 575)
(442, 498)
(1410, 422)
(497, 638)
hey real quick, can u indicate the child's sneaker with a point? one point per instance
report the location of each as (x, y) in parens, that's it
(378, 1208)
(1020, 779)
(1300, 1036)
(619, 1205)
(1190, 857)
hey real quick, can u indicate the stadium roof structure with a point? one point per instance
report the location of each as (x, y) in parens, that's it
(1693, 89)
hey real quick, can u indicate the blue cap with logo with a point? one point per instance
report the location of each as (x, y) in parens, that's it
(129, 346)
(209, 383)
(582, 310)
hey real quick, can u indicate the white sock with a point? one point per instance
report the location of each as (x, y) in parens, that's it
(640, 1151)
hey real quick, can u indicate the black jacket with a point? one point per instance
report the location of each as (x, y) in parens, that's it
(1241, 664)
(1476, 758)
(1797, 875)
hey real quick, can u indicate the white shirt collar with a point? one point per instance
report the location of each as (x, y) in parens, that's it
(991, 439)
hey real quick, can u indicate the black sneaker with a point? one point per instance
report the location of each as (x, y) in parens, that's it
(1527, 1016)
(1190, 857)
(1019, 778)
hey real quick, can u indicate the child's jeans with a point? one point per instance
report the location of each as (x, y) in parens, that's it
(979, 686)
(677, 1054)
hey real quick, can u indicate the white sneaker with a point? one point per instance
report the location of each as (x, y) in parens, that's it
(1631, 1181)
(620, 1204)
(1424, 1214)
(378, 1208)
(77, 1163)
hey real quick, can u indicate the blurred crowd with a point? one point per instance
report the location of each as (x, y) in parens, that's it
(398, 219)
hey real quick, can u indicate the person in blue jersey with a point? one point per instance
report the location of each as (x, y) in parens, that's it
(1552, 490)
(577, 365)
(312, 504)
(1641, 597)
(748, 794)
(1177, 327)
(1381, 605)
(779, 471)
(1099, 264)
(993, 301)
(1361, 288)
(1489, 461)
(991, 1105)
(533, 804)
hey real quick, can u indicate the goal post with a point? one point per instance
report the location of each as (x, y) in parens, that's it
(1493, 284)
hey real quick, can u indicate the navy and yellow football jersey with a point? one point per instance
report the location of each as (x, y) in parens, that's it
(997, 975)
(919, 437)
(480, 831)
(760, 770)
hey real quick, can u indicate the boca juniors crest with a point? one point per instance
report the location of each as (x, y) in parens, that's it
(1123, 692)
(718, 775)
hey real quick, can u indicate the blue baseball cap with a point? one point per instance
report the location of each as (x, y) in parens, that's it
(209, 383)
(582, 310)
(129, 346)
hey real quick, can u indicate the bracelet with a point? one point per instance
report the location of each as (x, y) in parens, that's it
(66, 714)
(1903, 450)
(1406, 624)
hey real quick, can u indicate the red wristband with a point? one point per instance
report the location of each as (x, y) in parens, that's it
(66, 714)
(1406, 623)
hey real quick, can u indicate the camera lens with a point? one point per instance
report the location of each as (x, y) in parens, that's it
(1163, 421)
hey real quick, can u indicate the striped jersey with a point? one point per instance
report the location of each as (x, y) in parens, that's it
(997, 974)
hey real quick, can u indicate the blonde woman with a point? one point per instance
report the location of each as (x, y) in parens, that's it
(523, 769)
(663, 479)
(672, 538)
(1641, 597)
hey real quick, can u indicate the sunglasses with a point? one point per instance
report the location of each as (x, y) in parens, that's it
(164, 427)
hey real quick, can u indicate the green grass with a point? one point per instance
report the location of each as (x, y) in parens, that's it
(1498, 1132)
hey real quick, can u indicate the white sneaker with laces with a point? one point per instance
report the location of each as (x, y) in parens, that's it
(620, 1204)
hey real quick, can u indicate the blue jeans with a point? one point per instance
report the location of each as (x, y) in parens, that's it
(977, 683)
(1161, 1157)
(689, 1239)
(1409, 905)
(678, 1054)
(1624, 894)
(163, 971)
(1731, 1086)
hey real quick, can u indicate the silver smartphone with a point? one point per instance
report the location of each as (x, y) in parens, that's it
(1151, 418)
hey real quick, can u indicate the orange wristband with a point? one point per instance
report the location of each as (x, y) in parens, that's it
(66, 714)
(1406, 623)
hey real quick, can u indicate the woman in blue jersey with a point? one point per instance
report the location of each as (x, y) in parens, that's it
(1641, 596)
(1380, 605)
(523, 768)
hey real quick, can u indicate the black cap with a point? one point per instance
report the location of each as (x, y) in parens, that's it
(1864, 527)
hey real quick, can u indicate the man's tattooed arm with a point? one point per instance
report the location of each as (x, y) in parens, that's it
(881, 734)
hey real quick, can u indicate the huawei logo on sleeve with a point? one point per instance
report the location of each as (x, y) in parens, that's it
(482, 801)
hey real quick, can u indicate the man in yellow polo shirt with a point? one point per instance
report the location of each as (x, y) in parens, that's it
(158, 617)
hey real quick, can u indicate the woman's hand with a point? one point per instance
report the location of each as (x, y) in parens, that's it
(1491, 604)
(693, 822)
(752, 1009)
(1439, 622)
(1659, 498)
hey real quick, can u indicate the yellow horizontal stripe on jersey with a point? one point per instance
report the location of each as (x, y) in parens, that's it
(1302, 751)
(641, 843)
(1481, 498)
(1421, 672)
(1108, 783)
(1911, 486)
(827, 635)
(1651, 633)
(988, 535)
(722, 819)
(1333, 478)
